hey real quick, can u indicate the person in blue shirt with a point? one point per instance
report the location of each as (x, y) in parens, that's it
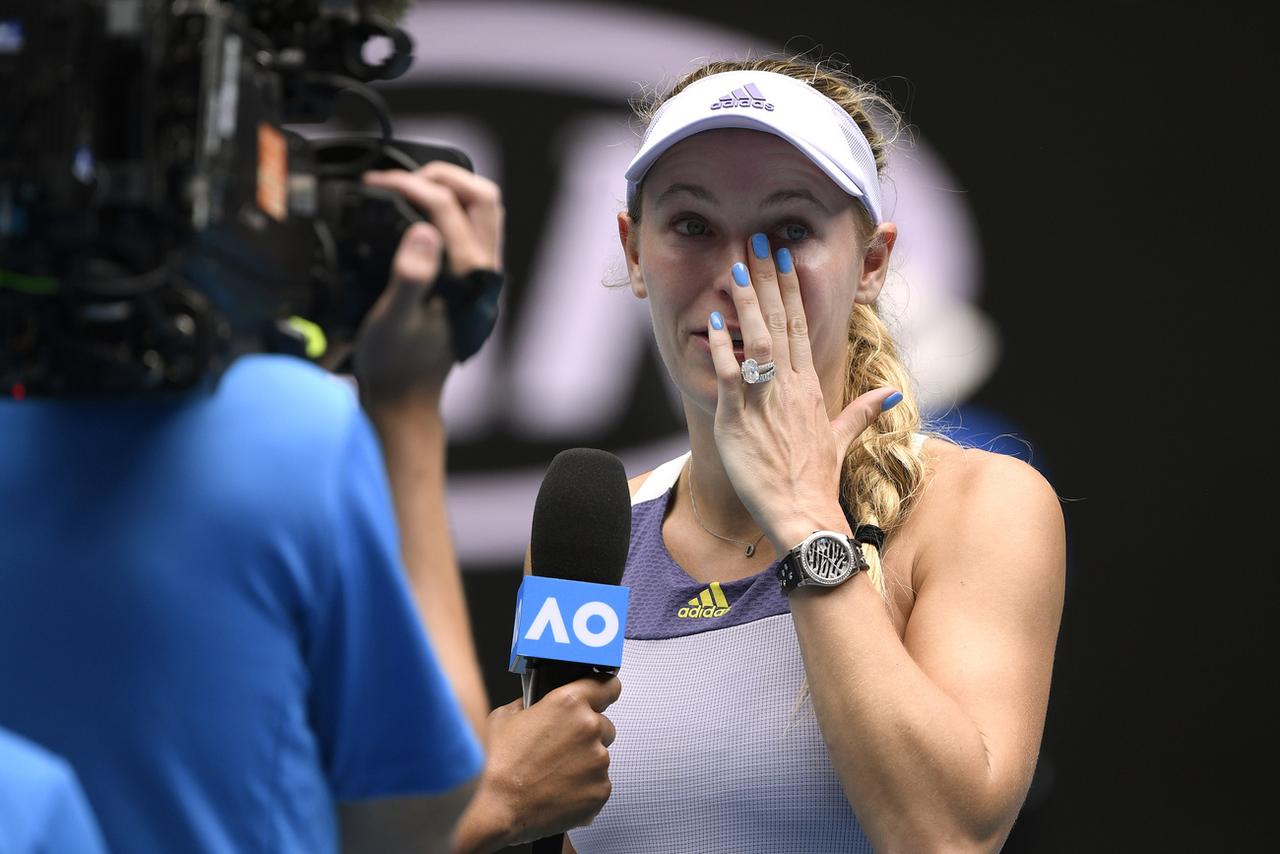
(237, 614)
(43, 809)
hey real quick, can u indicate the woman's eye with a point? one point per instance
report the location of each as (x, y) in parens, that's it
(795, 231)
(691, 227)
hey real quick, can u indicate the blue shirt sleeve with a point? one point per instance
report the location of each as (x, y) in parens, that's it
(388, 721)
(43, 810)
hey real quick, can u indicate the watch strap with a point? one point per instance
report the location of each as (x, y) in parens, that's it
(789, 571)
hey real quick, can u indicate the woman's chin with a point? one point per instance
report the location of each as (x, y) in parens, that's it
(700, 395)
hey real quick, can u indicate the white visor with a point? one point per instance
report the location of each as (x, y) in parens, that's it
(773, 103)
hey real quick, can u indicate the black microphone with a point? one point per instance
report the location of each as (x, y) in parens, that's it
(581, 532)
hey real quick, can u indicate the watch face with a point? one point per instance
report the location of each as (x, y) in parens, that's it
(828, 559)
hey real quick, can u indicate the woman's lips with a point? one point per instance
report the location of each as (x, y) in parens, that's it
(705, 343)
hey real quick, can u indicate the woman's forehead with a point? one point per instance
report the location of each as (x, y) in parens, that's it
(734, 161)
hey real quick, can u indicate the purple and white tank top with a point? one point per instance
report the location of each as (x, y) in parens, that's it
(718, 747)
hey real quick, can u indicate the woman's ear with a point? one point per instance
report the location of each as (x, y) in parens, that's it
(875, 263)
(629, 234)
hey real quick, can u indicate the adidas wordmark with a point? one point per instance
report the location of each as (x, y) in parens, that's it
(709, 603)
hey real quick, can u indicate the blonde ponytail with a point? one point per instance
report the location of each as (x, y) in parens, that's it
(884, 467)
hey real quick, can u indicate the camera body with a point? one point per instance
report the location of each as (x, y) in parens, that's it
(158, 217)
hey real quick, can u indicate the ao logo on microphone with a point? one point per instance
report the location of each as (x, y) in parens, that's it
(568, 621)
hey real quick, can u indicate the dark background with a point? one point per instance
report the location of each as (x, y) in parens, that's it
(1116, 163)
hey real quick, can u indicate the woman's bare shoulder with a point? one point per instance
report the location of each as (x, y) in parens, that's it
(978, 500)
(959, 472)
(636, 482)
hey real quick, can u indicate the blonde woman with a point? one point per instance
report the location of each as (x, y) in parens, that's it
(842, 629)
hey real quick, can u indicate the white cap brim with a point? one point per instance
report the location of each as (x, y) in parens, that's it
(786, 107)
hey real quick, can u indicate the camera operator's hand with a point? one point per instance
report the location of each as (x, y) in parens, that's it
(404, 346)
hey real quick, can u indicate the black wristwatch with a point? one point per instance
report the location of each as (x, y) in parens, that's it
(824, 559)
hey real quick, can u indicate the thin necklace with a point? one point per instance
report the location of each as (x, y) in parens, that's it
(751, 547)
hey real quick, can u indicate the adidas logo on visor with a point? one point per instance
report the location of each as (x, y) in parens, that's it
(744, 96)
(709, 603)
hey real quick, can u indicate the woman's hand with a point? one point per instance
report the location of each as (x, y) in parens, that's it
(780, 448)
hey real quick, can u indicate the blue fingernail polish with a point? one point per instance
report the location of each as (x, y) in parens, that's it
(740, 274)
(891, 401)
(716, 320)
(760, 245)
(784, 260)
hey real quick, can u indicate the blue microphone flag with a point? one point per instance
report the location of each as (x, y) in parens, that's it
(567, 620)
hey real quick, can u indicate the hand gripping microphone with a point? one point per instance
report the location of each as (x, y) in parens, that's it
(571, 611)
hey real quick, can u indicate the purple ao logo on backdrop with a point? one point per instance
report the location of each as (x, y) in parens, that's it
(597, 337)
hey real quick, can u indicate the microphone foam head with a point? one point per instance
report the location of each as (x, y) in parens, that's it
(582, 518)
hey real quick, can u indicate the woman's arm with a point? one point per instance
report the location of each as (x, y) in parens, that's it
(934, 733)
(935, 736)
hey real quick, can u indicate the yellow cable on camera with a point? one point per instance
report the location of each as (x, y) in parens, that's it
(312, 334)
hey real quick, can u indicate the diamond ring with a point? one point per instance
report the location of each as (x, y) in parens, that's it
(754, 372)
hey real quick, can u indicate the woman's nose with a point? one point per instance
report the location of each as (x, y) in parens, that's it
(735, 252)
